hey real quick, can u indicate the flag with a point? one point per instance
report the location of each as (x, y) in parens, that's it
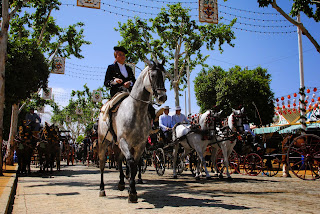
(89, 3)
(79, 111)
(40, 109)
(68, 119)
(208, 11)
(47, 94)
(58, 65)
(96, 96)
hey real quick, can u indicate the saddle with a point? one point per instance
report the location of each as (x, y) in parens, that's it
(113, 102)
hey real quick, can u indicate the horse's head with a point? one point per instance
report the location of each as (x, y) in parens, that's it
(209, 121)
(236, 119)
(155, 79)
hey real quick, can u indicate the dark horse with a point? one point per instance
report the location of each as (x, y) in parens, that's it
(131, 124)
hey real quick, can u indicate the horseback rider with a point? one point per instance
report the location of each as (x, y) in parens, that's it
(165, 123)
(120, 77)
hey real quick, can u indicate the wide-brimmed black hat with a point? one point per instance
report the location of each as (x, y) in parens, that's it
(120, 48)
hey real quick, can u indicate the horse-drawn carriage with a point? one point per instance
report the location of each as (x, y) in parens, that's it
(287, 148)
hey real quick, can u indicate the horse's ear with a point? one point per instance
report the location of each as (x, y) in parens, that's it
(148, 62)
(162, 62)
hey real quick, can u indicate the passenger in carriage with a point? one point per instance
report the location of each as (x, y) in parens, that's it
(178, 117)
(165, 123)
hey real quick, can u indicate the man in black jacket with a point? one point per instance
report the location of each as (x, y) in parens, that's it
(119, 77)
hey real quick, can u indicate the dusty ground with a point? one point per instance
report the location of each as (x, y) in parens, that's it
(75, 189)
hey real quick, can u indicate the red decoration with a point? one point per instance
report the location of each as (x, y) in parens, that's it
(294, 110)
(319, 99)
(306, 101)
(289, 96)
(295, 94)
(315, 89)
(308, 90)
(288, 105)
(310, 106)
(282, 98)
(312, 100)
(283, 106)
(278, 107)
(294, 104)
(277, 99)
(316, 105)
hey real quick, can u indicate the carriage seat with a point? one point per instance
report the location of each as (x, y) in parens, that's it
(111, 103)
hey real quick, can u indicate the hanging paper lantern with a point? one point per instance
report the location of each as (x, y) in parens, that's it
(277, 99)
(312, 100)
(282, 98)
(308, 90)
(288, 105)
(294, 100)
(288, 101)
(307, 97)
(278, 108)
(319, 99)
(315, 89)
(316, 105)
(294, 104)
(294, 110)
(295, 94)
(313, 95)
(289, 96)
(310, 106)
(306, 101)
(280, 112)
(315, 109)
(282, 102)
(285, 112)
(283, 106)
(278, 104)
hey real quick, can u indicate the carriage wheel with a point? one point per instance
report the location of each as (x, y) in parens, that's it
(253, 164)
(303, 157)
(271, 165)
(234, 162)
(159, 161)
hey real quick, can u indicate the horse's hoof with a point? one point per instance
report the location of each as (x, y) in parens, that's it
(133, 198)
(197, 178)
(121, 186)
(209, 178)
(102, 193)
(175, 177)
(220, 176)
(140, 181)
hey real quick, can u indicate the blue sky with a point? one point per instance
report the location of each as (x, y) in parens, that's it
(258, 43)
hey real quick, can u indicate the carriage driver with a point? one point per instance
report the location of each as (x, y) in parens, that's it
(33, 120)
(179, 117)
(165, 123)
(119, 76)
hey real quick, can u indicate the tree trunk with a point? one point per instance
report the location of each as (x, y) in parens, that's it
(176, 94)
(3, 52)
(13, 132)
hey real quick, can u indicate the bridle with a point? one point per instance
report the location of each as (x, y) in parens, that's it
(153, 85)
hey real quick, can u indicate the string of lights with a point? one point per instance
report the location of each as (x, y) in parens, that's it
(242, 29)
(195, 8)
(87, 71)
(83, 74)
(86, 66)
(82, 77)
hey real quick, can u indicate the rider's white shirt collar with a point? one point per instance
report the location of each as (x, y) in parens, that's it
(123, 70)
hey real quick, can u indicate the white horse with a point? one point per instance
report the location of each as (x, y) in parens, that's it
(194, 139)
(131, 124)
(229, 132)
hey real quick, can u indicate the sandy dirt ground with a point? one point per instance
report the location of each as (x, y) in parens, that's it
(75, 189)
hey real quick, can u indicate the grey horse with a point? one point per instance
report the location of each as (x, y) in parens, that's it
(131, 124)
(194, 139)
(226, 142)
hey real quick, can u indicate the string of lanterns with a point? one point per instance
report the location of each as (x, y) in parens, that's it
(290, 104)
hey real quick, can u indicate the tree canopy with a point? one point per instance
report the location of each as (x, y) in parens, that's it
(174, 36)
(227, 90)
